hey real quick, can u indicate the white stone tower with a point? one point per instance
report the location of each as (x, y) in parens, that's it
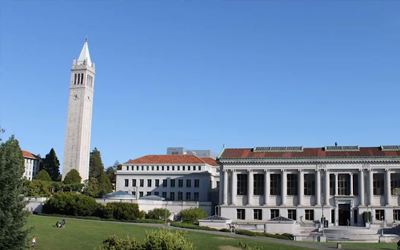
(79, 120)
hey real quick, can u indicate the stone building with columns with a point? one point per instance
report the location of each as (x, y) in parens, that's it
(304, 184)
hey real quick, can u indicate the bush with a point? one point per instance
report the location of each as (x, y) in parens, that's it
(155, 240)
(244, 246)
(192, 226)
(192, 215)
(37, 188)
(158, 214)
(262, 234)
(245, 232)
(225, 230)
(72, 177)
(42, 175)
(72, 204)
(121, 211)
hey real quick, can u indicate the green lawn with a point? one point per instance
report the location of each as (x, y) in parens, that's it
(87, 235)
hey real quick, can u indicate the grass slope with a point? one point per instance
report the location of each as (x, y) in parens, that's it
(87, 235)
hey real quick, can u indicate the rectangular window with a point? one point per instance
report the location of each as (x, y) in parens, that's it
(140, 194)
(188, 168)
(395, 184)
(309, 184)
(148, 194)
(162, 168)
(355, 185)
(137, 168)
(167, 168)
(242, 184)
(275, 184)
(310, 214)
(196, 183)
(378, 184)
(134, 193)
(258, 184)
(172, 183)
(240, 214)
(188, 196)
(127, 168)
(133, 182)
(147, 168)
(180, 196)
(396, 214)
(142, 168)
(379, 214)
(344, 184)
(292, 185)
(332, 184)
(152, 168)
(158, 168)
(173, 168)
(292, 214)
(126, 182)
(355, 216)
(178, 168)
(164, 195)
(183, 168)
(257, 214)
(196, 196)
(180, 183)
(157, 193)
(188, 183)
(172, 196)
(274, 213)
(142, 182)
(148, 182)
(157, 182)
(164, 183)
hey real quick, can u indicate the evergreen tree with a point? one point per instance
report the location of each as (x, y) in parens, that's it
(52, 165)
(42, 175)
(96, 167)
(91, 187)
(73, 177)
(105, 185)
(12, 214)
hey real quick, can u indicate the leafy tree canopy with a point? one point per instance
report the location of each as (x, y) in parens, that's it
(96, 167)
(105, 185)
(52, 165)
(42, 175)
(72, 177)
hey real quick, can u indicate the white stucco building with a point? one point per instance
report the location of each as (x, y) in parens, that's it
(173, 177)
(339, 182)
(79, 120)
(31, 163)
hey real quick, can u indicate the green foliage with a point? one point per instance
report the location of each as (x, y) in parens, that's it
(121, 211)
(262, 234)
(72, 177)
(159, 214)
(105, 186)
(43, 175)
(192, 226)
(367, 217)
(72, 204)
(13, 217)
(110, 172)
(155, 240)
(96, 167)
(91, 187)
(193, 215)
(38, 188)
(225, 230)
(52, 165)
(244, 246)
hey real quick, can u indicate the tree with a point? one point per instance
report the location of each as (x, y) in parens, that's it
(13, 216)
(91, 187)
(105, 186)
(96, 167)
(72, 177)
(193, 215)
(72, 204)
(159, 214)
(39, 188)
(52, 165)
(42, 175)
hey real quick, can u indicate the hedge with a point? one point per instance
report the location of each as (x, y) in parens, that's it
(192, 226)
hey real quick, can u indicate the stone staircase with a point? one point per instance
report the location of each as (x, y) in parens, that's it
(351, 234)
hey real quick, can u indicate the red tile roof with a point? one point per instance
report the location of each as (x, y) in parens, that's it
(27, 154)
(308, 153)
(172, 159)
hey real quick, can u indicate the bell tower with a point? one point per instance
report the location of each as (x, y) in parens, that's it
(79, 119)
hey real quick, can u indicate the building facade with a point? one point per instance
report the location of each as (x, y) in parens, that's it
(79, 120)
(173, 177)
(31, 163)
(197, 152)
(341, 183)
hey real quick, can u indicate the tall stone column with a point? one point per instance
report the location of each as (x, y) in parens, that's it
(336, 184)
(361, 192)
(327, 187)
(351, 184)
(318, 188)
(370, 187)
(387, 187)
(234, 187)
(266, 187)
(284, 188)
(250, 186)
(225, 194)
(301, 187)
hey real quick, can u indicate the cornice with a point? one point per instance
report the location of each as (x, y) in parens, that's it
(310, 160)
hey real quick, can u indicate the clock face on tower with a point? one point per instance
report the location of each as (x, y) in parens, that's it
(76, 97)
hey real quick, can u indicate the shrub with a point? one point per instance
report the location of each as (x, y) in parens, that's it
(244, 246)
(71, 204)
(37, 188)
(42, 175)
(158, 214)
(72, 177)
(192, 215)
(225, 230)
(192, 226)
(121, 211)
(262, 234)
(245, 232)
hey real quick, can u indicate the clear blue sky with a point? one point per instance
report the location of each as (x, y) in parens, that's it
(200, 74)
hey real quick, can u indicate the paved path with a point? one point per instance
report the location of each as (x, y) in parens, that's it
(225, 234)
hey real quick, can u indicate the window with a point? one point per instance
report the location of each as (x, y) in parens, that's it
(158, 168)
(134, 193)
(344, 184)
(147, 168)
(380, 214)
(275, 184)
(164, 195)
(180, 196)
(240, 214)
(257, 214)
(152, 168)
(188, 196)
(157, 193)
(196, 196)
(378, 184)
(274, 213)
(396, 214)
(242, 184)
(178, 168)
(309, 184)
(355, 186)
(188, 168)
(137, 168)
(292, 214)
(332, 184)
(148, 182)
(258, 184)
(188, 183)
(164, 183)
(132, 168)
(292, 185)
(157, 183)
(196, 183)
(180, 183)
(355, 216)
(142, 168)
(173, 168)
(183, 168)
(126, 182)
(309, 214)
(167, 168)
(172, 183)
(172, 196)
(395, 184)
(127, 168)
(140, 194)
(162, 168)
(199, 168)
(148, 194)
(142, 182)
(133, 182)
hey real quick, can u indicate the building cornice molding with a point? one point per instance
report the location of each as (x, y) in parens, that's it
(375, 160)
